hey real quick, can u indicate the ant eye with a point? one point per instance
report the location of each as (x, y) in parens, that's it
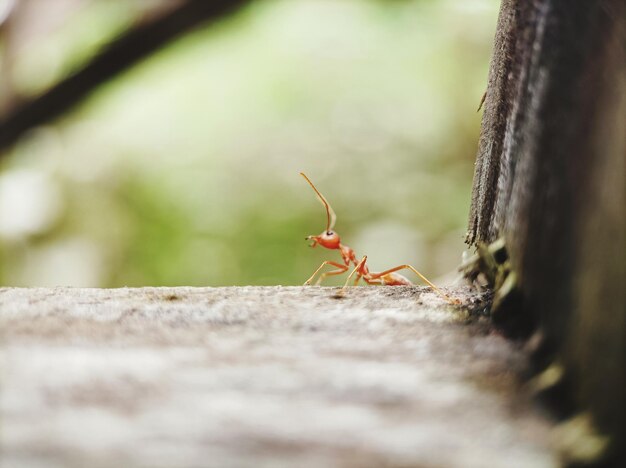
(329, 233)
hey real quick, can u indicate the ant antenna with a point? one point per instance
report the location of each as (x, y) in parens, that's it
(331, 217)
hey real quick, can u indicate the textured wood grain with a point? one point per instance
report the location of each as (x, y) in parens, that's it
(259, 376)
(550, 180)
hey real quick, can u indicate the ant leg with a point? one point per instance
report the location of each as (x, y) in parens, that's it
(402, 267)
(369, 280)
(356, 268)
(331, 273)
(342, 268)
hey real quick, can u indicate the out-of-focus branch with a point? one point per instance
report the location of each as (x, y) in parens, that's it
(120, 54)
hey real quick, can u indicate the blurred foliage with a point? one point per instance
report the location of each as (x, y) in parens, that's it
(184, 170)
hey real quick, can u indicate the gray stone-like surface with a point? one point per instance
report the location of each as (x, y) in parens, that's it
(259, 376)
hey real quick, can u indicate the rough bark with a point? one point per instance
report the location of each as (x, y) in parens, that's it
(550, 180)
(260, 376)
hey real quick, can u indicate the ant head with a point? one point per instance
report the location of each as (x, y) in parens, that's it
(327, 239)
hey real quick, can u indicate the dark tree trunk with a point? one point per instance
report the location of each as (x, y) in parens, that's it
(550, 180)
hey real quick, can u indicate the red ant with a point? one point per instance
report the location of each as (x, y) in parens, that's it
(330, 240)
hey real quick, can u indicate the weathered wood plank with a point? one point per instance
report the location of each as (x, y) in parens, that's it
(550, 180)
(259, 376)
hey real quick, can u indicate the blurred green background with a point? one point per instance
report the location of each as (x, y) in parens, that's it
(184, 169)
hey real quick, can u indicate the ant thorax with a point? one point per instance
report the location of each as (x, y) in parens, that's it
(347, 254)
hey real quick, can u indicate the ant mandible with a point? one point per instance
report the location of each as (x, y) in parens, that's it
(330, 239)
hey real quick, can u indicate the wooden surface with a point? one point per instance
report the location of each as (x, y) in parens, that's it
(549, 179)
(259, 376)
